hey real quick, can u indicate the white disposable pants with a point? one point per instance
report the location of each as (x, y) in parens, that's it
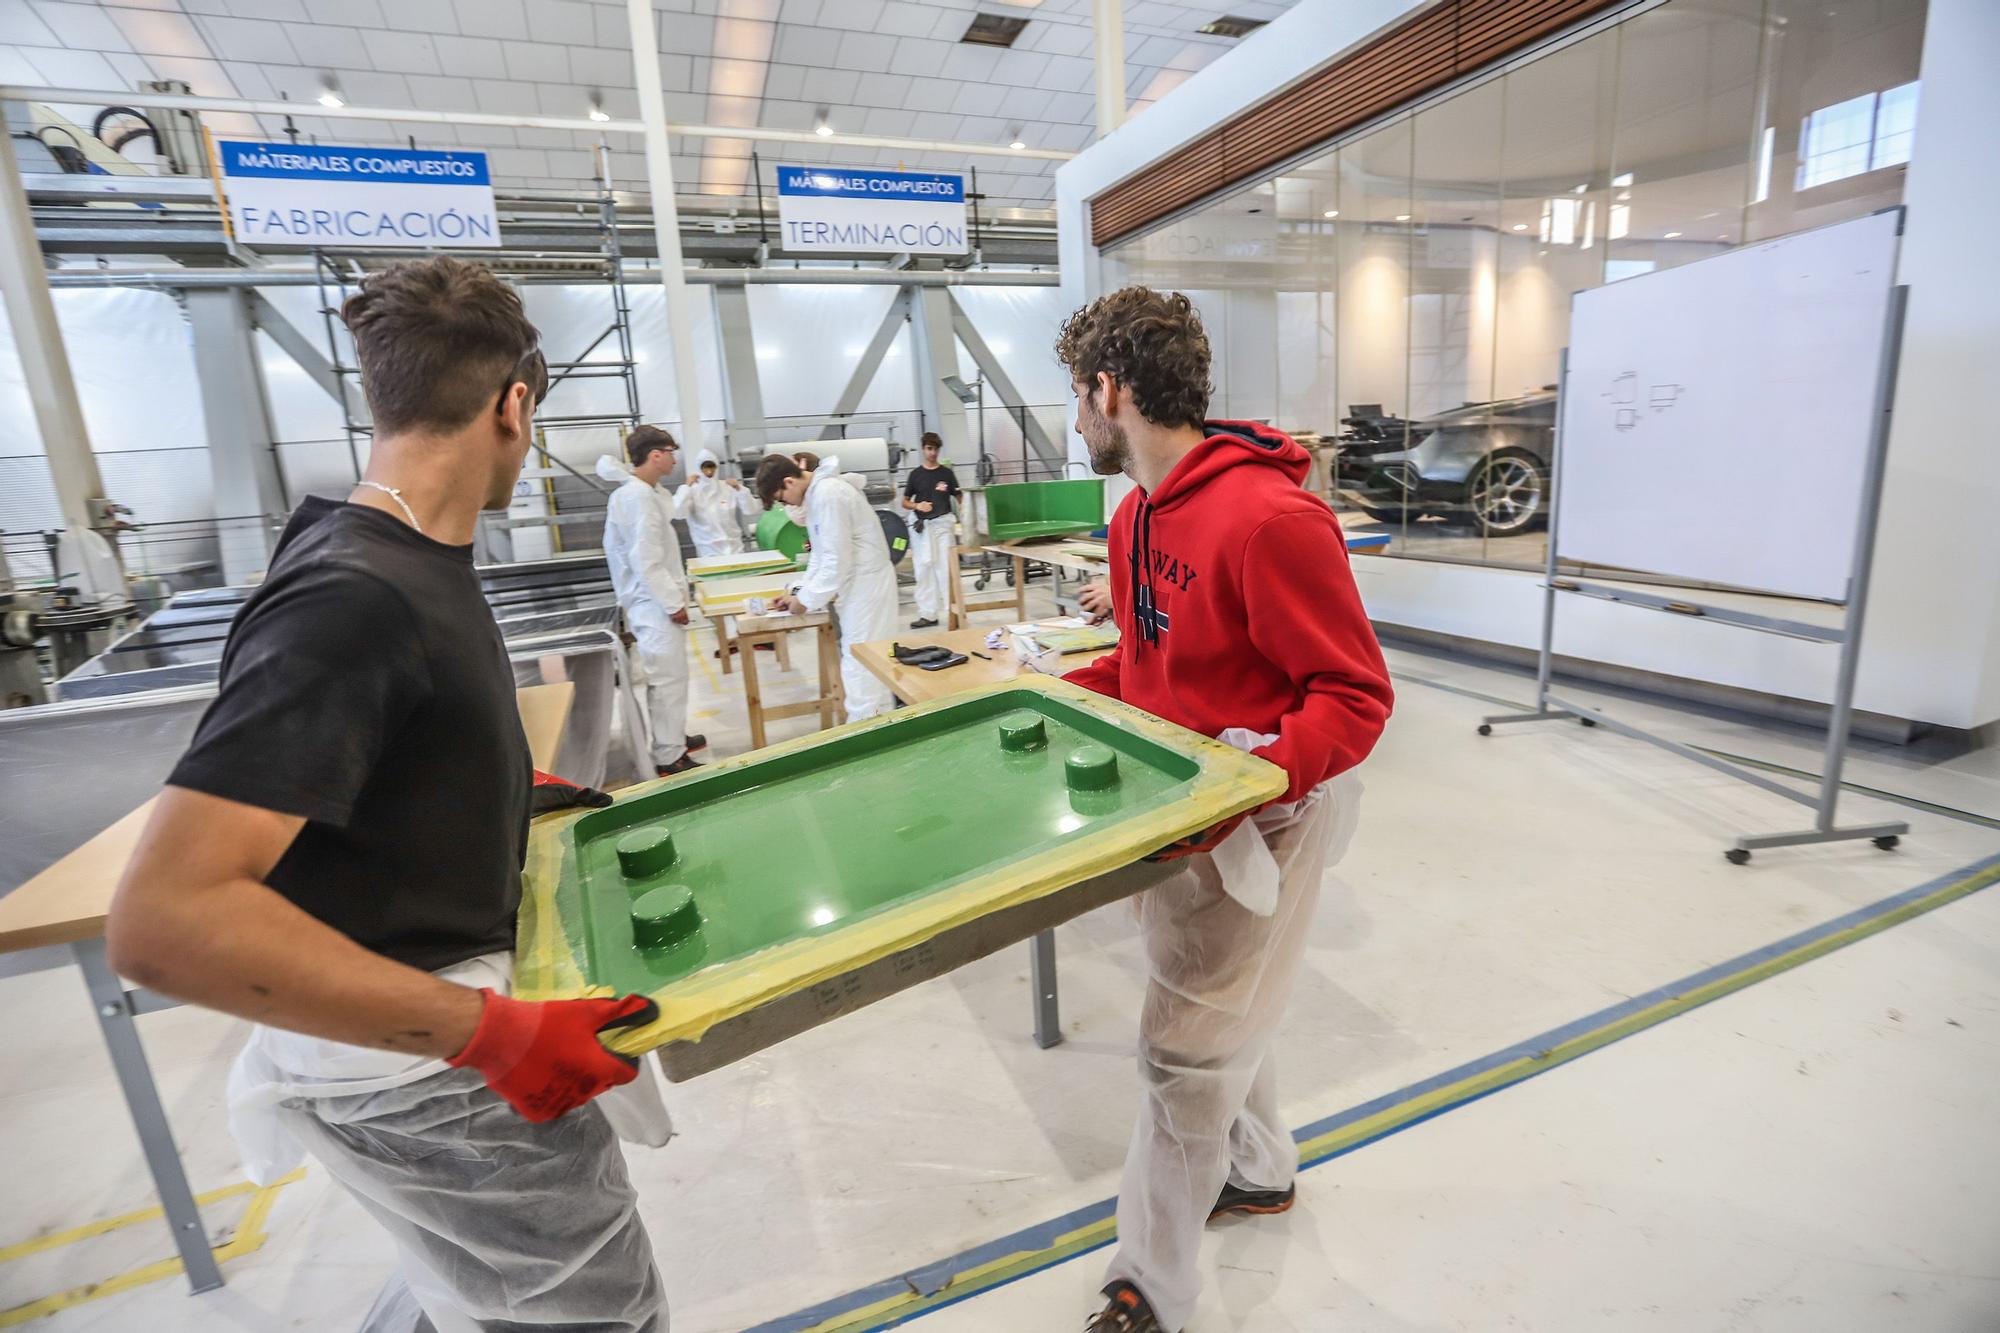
(936, 566)
(1219, 977)
(661, 649)
(867, 613)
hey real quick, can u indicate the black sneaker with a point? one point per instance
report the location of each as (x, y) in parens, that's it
(1253, 1203)
(696, 741)
(1125, 1312)
(683, 764)
(923, 624)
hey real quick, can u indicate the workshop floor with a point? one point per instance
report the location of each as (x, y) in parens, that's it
(1814, 1152)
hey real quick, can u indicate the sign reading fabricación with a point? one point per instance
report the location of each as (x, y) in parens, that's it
(290, 194)
(831, 208)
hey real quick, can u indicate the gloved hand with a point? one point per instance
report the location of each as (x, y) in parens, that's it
(1205, 841)
(551, 793)
(543, 1056)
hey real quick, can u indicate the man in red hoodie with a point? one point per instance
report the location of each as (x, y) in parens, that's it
(1238, 618)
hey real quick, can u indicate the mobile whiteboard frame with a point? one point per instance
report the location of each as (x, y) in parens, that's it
(1550, 707)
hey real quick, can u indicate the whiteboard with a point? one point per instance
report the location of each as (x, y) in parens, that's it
(1717, 417)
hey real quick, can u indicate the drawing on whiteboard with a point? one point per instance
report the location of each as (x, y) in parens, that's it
(1626, 418)
(1625, 389)
(1663, 396)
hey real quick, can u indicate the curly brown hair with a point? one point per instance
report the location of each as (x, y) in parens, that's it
(1151, 343)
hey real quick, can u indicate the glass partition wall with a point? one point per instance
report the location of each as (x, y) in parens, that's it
(1400, 301)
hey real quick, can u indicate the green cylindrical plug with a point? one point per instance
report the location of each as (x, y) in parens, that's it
(664, 917)
(1023, 730)
(1091, 768)
(645, 852)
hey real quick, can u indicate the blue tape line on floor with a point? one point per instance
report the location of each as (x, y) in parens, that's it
(932, 1279)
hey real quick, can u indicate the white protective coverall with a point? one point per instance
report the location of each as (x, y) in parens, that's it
(714, 510)
(850, 571)
(644, 552)
(497, 1222)
(1224, 940)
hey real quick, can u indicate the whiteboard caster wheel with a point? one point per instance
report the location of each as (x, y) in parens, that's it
(979, 584)
(1888, 843)
(1485, 729)
(1737, 856)
(1588, 721)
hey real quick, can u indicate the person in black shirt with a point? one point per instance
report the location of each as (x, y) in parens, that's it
(927, 498)
(338, 858)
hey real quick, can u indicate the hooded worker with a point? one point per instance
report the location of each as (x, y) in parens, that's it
(849, 571)
(714, 507)
(644, 552)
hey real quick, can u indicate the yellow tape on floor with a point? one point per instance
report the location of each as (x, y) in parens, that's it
(250, 1236)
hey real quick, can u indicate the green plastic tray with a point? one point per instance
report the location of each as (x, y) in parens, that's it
(752, 878)
(777, 532)
(1044, 508)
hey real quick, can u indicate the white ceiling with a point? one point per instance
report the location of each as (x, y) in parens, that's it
(889, 67)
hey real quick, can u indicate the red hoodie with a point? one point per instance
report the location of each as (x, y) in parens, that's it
(1236, 608)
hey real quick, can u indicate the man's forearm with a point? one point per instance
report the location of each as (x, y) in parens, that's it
(241, 948)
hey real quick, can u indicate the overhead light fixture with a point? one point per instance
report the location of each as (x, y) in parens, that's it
(1520, 226)
(1584, 188)
(1402, 217)
(1673, 235)
(1014, 139)
(597, 111)
(1331, 213)
(329, 95)
(1229, 25)
(994, 30)
(821, 125)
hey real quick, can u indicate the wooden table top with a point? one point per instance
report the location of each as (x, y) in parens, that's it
(914, 685)
(68, 901)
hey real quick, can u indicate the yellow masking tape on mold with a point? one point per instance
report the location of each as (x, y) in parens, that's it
(1228, 783)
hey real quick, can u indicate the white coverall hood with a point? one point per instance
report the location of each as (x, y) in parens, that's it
(612, 469)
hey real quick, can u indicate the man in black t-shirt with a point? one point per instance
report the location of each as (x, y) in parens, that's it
(338, 857)
(927, 500)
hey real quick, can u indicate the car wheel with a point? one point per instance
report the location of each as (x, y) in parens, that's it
(1509, 494)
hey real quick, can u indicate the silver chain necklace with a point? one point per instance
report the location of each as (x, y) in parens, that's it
(401, 503)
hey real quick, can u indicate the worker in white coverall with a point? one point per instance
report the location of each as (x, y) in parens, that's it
(714, 508)
(644, 552)
(1238, 618)
(850, 570)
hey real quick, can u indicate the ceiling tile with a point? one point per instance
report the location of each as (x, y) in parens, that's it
(905, 19)
(852, 15)
(979, 99)
(799, 11)
(150, 33)
(880, 92)
(919, 55)
(20, 26)
(558, 20)
(490, 18)
(369, 88)
(291, 11)
(784, 82)
(595, 67)
(1058, 39)
(404, 52)
(60, 68)
(360, 13)
(443, 94)
(971, 63)
(1072, 108)
(81, 27)
(539, 138)
(422, 16)
(832, 86)
(471, 57)
(206, 77)
(868, 51)
(930, 95)
(893, 123)
(324, 46)
(132, 70)
(689, 34)
(1025, 103)
(804, 46)
(1065, 73)
(248, 39)
(537, 63)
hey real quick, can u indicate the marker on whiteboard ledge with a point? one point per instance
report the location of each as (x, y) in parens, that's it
(1685, 608)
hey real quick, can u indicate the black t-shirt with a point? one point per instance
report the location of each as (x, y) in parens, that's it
(936, 484)
(365, 686)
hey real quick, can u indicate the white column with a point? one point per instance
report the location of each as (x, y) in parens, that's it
(44, 362)
(1108, 17)
(245, 475)
(666, 219)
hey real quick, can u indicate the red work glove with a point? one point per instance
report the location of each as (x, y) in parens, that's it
(1205, 841)
(551, 793)
(544, 1057)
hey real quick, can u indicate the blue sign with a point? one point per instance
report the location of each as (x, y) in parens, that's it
(289, 194)
(928, 187)
(890, 212)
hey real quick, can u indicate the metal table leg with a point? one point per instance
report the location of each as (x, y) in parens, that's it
(1042, 976)
(142, 1099)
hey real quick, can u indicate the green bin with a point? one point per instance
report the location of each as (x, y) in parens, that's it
(1044, 509)
(777, 532)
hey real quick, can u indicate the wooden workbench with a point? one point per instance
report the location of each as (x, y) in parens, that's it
(66, 904)
(747, 631)
(914, 685)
